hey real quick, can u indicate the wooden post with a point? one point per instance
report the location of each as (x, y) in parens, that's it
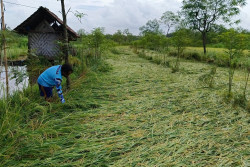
(65, 40)
(4, 49)
(65, 34)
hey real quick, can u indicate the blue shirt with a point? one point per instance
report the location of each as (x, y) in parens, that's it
(48, 77)
(52, 77)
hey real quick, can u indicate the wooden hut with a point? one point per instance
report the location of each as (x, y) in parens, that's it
(44, 30)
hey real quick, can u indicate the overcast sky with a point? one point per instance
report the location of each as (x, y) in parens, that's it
(113, 15)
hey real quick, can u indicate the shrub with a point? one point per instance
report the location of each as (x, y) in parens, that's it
(240, 100)
(157, 61)
(101, 66)
(173, 53)
(142, 54)
(149, 58)
(115, 51)
(193, 56)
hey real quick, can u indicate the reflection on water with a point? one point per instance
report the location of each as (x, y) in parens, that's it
(18, 79)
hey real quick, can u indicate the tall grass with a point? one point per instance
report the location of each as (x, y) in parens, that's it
(25, 111)
(17, 53)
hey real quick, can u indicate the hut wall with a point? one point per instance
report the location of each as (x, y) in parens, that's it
(44, 44)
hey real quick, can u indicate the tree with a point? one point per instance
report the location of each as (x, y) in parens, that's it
(118, 37)
(202, 14)
(213, 35)
(81, 32)
(152, 26)
(169, 19)
(65, 34)
(65, 40)
(96, 40)
(128, 35)
(235, 44)
(179, 41)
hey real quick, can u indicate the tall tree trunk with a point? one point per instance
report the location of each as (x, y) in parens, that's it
(4, 49)
(65, 40)
(204, 42)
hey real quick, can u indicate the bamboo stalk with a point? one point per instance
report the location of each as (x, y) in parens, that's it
(4, 49)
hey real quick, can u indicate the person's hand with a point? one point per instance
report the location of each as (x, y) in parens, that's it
(63, 100)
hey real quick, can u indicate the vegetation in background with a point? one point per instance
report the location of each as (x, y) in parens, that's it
(202, 14)
(151, 27)
(17, 45)
(97, 41)
(170, 20)
(217, 56)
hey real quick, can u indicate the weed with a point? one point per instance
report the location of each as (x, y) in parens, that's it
(209, 78)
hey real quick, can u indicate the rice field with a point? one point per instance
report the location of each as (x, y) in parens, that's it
(217, 56)
(17, 53)
(137, 114)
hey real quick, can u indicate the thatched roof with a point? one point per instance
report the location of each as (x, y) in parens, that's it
(30, 24)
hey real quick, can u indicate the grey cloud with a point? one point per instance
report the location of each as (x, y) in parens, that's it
(111, 14)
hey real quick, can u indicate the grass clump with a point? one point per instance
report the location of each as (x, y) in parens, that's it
(209, 79)
(101, 66)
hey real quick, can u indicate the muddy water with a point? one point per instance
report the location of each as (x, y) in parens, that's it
(16, 82)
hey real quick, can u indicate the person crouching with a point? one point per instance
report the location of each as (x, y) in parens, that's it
(53, 77)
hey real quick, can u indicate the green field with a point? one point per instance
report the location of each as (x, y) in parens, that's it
(216, 56)
(16, 53)
(137, 114)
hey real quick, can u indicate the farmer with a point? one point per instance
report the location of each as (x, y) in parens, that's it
(53, 77)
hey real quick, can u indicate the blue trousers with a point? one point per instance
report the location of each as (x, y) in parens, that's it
(45, 91)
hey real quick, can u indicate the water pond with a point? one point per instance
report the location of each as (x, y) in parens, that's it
(18, 79)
